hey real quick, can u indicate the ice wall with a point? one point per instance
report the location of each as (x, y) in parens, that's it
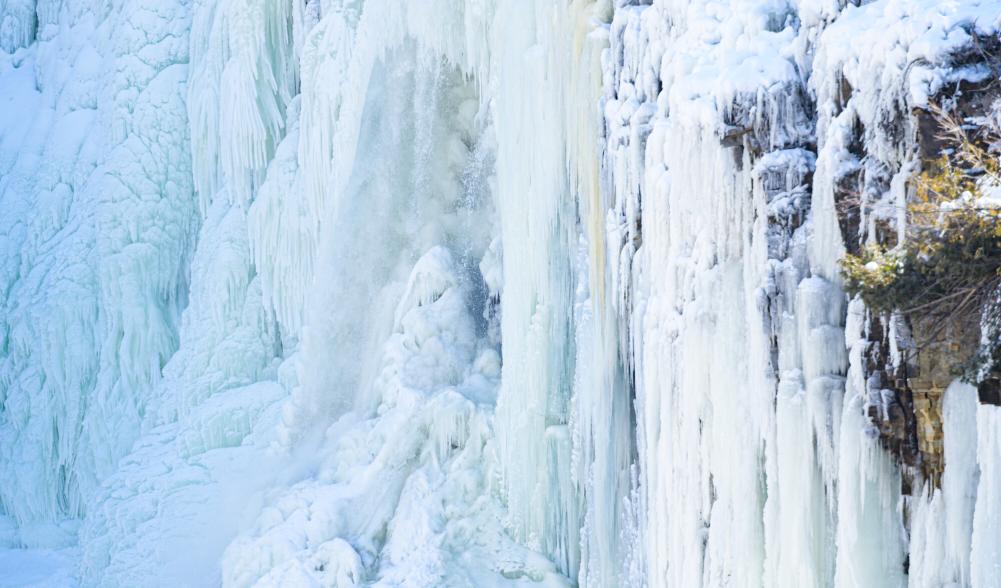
(97, 231)
(731, 135)
(438, 293)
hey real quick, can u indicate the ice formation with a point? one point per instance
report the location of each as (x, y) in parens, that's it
(467, 293)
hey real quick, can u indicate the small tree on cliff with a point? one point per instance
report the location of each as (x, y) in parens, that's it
(948, 268)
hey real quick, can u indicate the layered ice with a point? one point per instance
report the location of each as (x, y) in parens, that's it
(494, 292)
(98, 230)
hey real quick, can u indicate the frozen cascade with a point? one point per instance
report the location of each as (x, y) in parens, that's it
(98, 230)
(471, 293)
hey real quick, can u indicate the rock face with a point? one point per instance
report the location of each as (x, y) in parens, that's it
(926, 353)
(494, 292)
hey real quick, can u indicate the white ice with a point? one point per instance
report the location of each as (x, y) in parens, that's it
(481, 293)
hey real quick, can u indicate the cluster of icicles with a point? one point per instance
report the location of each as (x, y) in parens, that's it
(442, 293)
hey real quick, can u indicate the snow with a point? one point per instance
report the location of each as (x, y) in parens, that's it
(37, 568)
(490, 293)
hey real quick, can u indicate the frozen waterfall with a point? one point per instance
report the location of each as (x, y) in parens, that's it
(473, 293)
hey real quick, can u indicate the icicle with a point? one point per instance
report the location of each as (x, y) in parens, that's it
(243, 78)
(985, 568)
(18, 23)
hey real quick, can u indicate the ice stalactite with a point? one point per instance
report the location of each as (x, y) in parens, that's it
(985, 569)
(18, 24)
(870, 542)
(942, 532)
(244, 73)
(548, 421)
(718, 170)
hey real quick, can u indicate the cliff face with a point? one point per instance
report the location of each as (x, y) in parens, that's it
(748, 150)
(344, 292)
